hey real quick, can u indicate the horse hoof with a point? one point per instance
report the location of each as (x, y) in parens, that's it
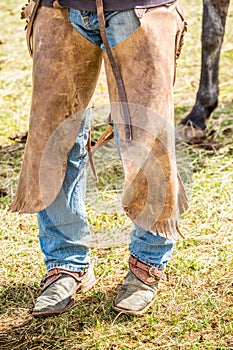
(189, 134)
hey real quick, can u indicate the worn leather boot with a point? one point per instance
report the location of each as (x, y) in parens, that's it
(58, 289)
(139, 290)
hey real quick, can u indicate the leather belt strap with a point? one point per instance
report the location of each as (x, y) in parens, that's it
(115, 69)
(54, 274)
(180, 10)
(29, 27)
(147, 274)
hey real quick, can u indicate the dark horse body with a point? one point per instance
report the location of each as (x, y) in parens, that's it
(213, 29)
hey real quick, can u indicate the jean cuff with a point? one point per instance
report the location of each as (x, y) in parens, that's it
(159, 266)
(68, 267)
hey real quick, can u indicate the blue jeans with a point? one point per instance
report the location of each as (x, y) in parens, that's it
(64, 232)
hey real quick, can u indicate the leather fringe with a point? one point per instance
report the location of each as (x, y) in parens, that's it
(24, 207)
(169, 228)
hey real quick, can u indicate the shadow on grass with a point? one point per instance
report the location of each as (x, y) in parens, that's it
(10, 163)
(19, 330)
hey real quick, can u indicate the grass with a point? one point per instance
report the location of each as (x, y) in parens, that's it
(195, 306)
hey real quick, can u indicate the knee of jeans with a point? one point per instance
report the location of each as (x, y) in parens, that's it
(79, 148)
(78, 151)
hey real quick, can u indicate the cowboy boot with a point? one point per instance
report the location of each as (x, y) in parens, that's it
(58, 289)
(139, 290)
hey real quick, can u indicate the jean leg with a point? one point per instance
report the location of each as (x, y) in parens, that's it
(64, 232)
(151, 249)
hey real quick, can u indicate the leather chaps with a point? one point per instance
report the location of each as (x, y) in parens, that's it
(65, 72)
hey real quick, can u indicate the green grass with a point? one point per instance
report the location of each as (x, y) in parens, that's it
(195, 306)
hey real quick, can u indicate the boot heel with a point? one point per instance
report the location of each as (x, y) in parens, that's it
(90, 279)
(88, 283)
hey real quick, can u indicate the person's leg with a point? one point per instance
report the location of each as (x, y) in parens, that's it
(64, 235)
(147, 69)
(63, 228)
(147, 248)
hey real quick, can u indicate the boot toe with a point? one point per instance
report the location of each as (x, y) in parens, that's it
(135, 297)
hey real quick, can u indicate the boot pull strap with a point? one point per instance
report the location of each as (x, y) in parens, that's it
(29, 27)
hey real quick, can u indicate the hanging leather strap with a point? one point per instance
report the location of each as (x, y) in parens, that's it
(105, 137)
(89, 148)
(115, 69)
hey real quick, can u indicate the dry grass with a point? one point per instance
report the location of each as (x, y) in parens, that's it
(195, 307)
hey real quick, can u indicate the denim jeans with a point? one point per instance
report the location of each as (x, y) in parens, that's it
(64, 232)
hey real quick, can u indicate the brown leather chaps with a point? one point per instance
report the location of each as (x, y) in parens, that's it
(65, 71)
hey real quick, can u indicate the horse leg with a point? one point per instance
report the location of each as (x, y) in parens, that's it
(213, 29)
